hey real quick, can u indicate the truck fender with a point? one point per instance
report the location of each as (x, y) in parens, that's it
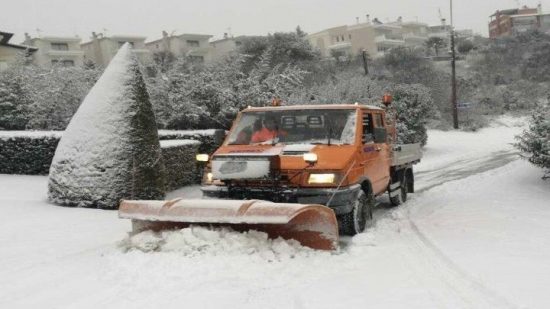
(366, 184)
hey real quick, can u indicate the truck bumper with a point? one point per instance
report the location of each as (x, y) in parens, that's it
(341, 200)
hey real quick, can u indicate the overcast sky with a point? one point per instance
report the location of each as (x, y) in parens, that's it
(150, 17)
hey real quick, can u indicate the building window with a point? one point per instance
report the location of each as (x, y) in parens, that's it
(342, 38)
(349, 36)
(120, 43)
(60, 46)
(337, 39)
(192, 43)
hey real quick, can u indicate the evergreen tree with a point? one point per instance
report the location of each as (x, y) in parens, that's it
(535, 141)
(414, 107)
(14, 103)
(110, 149)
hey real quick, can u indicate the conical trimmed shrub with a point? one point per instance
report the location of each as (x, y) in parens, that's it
(110, 149)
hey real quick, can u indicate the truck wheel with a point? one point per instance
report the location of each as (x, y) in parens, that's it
(357, 220)
(401, 197)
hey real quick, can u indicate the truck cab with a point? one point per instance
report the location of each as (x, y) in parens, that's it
(341, 156)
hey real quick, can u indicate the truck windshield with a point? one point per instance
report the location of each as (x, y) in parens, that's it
(307, 126)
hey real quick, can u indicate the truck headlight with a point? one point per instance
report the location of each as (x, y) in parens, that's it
(202, 157)
(321, 178)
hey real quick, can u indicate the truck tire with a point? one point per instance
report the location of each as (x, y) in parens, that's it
(401, 197)
(358, 219)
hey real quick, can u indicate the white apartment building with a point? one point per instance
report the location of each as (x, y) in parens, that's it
(194, 46)
(56, 50)
(101, 49)
(226, 46)
(374, 37)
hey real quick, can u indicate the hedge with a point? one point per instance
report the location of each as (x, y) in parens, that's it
(27, 152)
(179, 162)
(31, 152)
(210, 139)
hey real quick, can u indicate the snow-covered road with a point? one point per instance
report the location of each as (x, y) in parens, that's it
(476, 235)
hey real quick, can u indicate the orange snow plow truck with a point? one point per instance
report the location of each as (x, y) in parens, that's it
(308, 172)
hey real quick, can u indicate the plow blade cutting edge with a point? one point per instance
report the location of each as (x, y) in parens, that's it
(314, 226)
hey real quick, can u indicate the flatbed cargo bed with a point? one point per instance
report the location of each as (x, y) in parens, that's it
(406, 154)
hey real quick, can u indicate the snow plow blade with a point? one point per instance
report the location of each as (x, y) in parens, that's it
(314, 226)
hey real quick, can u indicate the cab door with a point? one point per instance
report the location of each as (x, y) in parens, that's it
(374, 154)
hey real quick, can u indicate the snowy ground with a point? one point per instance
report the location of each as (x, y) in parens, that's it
(475, 236)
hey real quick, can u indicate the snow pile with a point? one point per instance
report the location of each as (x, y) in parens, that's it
(110, 149)
(198, 241)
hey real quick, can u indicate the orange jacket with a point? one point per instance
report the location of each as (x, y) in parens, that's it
(265, 134)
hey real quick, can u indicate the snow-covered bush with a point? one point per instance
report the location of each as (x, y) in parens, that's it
(535, 141)
(201, 97)
(346, 87)
(27, 153)
(36, 98)
(56, 95)
(179, 159)
(110, 149)
(414, 107)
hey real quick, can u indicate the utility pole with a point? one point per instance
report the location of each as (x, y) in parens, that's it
(365, 64)
(453, 67)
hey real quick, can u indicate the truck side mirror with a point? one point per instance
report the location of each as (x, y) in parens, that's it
(380, 135)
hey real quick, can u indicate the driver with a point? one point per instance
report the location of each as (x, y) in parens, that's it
(338, 124)
(268, 132)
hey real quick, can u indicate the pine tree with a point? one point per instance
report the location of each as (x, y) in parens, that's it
(535, 141)
(414, 107)
(110, 149)
(14, 103)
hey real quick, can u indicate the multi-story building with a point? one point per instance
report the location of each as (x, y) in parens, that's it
(513, 21)
(226, 46)
(101, 49)
(53, 50)
(374, 37)
(194, 46)
(9, 51)
(415, 33)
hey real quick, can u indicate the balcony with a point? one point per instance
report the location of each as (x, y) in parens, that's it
(197, 51)
(441, 34)
(340, 46)
(64, 53)
(389, 40)
(413, 37)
